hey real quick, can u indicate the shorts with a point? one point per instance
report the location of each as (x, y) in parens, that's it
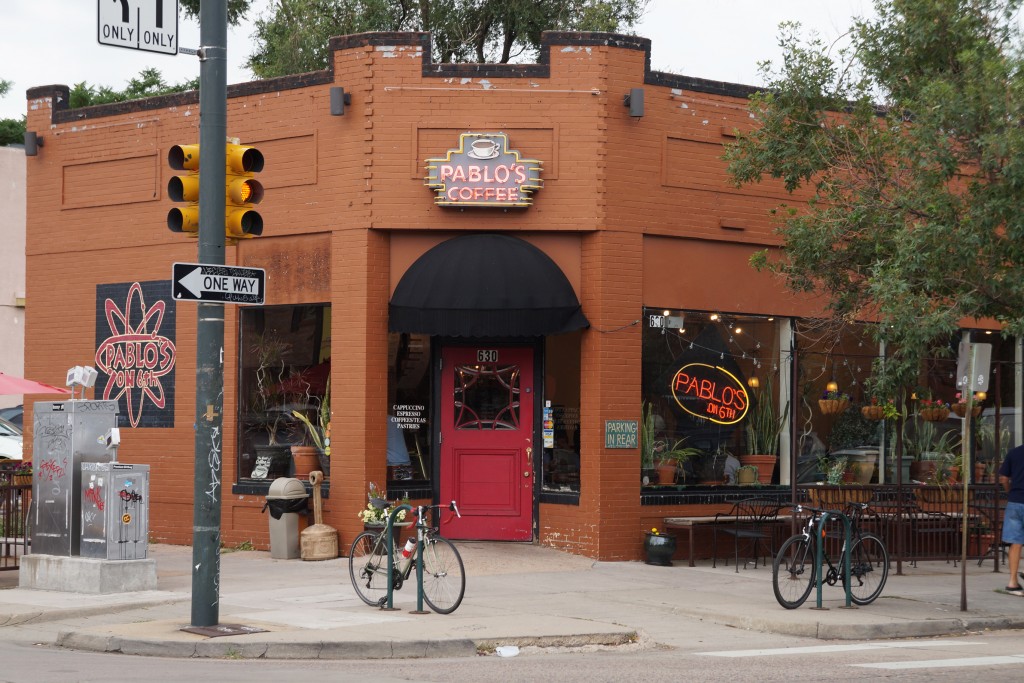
(1013, 523)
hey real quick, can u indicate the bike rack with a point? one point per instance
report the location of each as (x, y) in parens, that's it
(819, 555)
(391, 557)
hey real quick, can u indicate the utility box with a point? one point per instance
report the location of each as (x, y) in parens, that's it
(66, 434)
(286, 498)
(115, 511)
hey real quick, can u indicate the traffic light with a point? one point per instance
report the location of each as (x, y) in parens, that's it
(242, 192)
(184, 188)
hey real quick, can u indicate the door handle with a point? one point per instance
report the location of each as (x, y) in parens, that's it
(526, 474)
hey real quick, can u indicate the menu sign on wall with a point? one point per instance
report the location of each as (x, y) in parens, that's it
(483, 171)
(710, 392)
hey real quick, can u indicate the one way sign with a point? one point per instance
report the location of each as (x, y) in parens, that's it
(227, 284)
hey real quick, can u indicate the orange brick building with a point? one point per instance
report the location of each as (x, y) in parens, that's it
(635, 213)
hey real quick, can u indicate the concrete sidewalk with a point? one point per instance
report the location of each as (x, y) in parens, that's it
(516, 594)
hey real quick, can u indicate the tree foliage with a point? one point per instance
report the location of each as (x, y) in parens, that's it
(149, 83)
(293, 37)
(910, 145)
(237, 9)
(12, 131)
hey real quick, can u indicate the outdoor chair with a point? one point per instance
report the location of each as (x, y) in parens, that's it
(752, 521)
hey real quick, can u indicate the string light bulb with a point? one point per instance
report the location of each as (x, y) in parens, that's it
(832, 386)
(753, 382)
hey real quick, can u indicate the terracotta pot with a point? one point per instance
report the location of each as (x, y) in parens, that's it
(832, 406)
(666, 472)
(961, 409)
(765, 465)
(306, 459)
(922, 470)
(933, 414)
(873, 413)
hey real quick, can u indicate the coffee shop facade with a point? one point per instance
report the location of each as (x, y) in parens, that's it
(509, 262)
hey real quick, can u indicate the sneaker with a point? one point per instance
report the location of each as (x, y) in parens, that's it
(1014, 590)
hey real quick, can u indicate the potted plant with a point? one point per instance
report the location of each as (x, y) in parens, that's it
(670, 461)
(960, 407)
(22, 474)
(378, 509)
(317, 433)
(659, 548)
(649, 443)
(763, 427)
(833, 402)
(878, 409)
(932, 410)
(746, 475)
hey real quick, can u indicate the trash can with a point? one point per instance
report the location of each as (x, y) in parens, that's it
(286, 498)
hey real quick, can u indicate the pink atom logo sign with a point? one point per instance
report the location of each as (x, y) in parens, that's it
(135, 357)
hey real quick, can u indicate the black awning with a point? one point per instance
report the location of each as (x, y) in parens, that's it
(485, 285)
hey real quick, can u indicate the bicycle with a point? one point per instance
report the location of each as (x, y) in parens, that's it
(444, 576)
(794, 569)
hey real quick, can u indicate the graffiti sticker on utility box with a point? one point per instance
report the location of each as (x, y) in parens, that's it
(483, 171)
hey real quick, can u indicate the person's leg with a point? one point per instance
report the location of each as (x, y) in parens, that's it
(1013, 533)
(1014, 565)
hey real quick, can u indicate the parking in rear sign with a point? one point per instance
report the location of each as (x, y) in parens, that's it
(225, 284)
(150, 25)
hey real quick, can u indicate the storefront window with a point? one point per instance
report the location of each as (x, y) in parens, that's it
(705, 377)
(285, 366)
(561, 414)
(409, 460)
(831, 430)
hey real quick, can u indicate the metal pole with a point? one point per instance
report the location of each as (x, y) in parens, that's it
(213, 37)
(965, 472)
(390, 603)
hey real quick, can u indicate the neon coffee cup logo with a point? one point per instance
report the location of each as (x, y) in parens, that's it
(135, 357)
(710, 392)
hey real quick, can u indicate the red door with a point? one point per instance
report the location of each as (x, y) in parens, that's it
(487, 441)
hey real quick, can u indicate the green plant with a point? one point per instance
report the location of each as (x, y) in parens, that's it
(318, 433)
(372, 514)
(833, 469)
(750, 469)
(648, 434)
(764, 423)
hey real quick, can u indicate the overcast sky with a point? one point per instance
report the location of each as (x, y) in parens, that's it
(46, 42)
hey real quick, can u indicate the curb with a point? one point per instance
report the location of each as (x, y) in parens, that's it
(43, 615)
(218, 648)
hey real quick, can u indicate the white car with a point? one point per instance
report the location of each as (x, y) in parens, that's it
(10, 441)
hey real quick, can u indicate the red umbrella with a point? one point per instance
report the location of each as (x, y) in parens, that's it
(10, 384)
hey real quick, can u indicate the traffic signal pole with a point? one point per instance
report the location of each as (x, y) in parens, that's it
(206, 517)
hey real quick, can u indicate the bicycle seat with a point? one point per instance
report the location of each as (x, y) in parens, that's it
(378, 503)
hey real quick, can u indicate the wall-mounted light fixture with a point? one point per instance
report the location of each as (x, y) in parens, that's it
(339, 98)
(33, 141)
(635, 101)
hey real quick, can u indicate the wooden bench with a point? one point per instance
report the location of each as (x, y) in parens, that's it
(690, 524)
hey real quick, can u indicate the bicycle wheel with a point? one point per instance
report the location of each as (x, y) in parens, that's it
(444, 578)
(793, 571)
(869, 568)
(368, 567)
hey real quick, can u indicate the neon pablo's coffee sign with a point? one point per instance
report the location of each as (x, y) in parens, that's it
(710, 392)
(483, 171)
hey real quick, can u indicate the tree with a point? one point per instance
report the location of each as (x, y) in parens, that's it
(237, 9)
(910, 145)
(149, 83)
(12, 131)
(294, 37)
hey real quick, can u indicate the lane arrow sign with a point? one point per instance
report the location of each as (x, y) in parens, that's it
(226, 284)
